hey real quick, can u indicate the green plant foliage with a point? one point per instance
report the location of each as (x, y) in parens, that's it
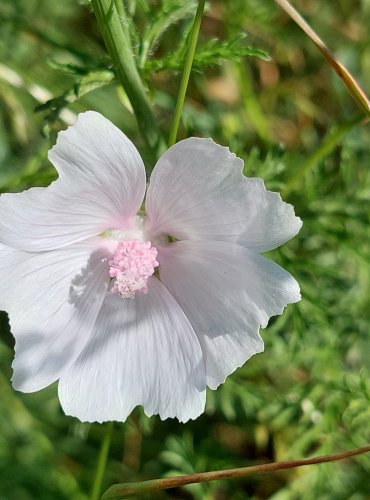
(86, 81)
(170, 13)
(211, 53)
(287, 115)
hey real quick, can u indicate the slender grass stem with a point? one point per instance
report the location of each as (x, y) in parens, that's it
(186, 73)
(119, 491)
(102, 462)
(251, 102)
(111, 17)
(121, 11)
(327, 146)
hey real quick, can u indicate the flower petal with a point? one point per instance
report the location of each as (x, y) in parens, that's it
(197, 191)
(53, 299)
(227, 292)
(144, 352)
(101, 185)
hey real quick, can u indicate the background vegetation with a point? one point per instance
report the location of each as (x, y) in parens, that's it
(260, 87)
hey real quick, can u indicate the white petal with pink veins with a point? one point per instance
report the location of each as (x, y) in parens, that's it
(101, 186)
(197, 191)
(53, 299)
(143, 352)
(227, 292)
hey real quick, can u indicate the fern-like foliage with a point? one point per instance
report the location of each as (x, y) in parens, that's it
(211, 53)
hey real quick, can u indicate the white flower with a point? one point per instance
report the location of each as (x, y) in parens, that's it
(127, 309)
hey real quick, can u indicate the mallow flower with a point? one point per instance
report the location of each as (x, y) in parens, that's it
(127, 302)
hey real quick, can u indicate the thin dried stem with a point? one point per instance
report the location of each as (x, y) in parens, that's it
(118, 491)
(353, 87)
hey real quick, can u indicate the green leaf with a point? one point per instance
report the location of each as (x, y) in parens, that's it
(170, 13)
(87, 83)
(211, 53)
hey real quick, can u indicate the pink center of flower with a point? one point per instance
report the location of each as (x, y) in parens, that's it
(132, 264)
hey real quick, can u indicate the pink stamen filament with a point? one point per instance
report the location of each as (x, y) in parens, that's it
(133, 263)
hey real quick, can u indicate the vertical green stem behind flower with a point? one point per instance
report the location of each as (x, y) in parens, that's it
(102, 462)
(186, 73)
(113, 26)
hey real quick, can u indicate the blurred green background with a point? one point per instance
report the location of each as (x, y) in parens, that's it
(293, 122)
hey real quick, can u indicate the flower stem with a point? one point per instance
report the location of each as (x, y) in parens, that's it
(102, 462)
(113, 24)
(186, 73)
(119, 491)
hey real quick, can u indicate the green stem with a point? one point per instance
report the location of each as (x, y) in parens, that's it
(114, 28)
(121, 12)
(251, 102)
(186, 73)
(324, 150)
(102, 462)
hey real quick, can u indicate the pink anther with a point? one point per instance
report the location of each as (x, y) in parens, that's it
(133, 263)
